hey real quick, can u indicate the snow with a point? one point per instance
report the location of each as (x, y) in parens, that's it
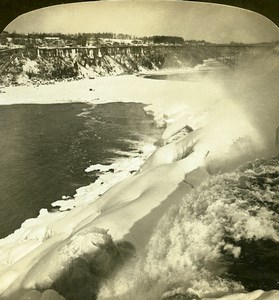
(36, 254)
(255, 295)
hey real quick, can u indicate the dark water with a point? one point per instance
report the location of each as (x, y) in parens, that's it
(44, 150)
(190, 76)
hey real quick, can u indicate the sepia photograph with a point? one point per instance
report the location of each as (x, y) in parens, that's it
(139, 152)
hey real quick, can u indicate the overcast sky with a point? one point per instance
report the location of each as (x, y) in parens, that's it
(190, 20)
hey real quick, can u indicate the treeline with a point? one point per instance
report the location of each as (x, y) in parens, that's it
(42, 35)
(60, 38)
(83, 39)
(86, 36)
(80, 39)
(161, 39)
(104, 35)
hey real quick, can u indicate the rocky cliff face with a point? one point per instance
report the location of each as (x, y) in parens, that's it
(58, 64)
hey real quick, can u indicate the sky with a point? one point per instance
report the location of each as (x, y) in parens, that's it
(190, 20)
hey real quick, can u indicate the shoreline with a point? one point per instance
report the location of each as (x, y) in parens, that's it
(109, 174)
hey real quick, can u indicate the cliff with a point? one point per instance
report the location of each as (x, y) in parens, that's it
(37, 65)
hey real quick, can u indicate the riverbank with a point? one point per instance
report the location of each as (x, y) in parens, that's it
(216, 142)
(48, 147)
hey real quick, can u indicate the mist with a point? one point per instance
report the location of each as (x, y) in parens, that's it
(254, 87)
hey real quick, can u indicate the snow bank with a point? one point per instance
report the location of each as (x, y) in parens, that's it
(59, 240)
(173, 152)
